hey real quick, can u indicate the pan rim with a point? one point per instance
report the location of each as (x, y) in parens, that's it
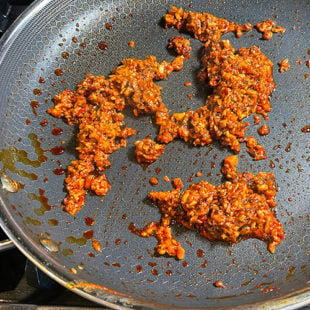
(290, 301)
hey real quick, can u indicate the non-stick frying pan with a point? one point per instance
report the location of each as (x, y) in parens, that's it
(127, 273)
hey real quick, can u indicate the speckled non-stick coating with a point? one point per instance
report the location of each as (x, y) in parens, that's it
(252, 275)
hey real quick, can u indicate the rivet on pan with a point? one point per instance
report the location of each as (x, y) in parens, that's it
(50, 245)
(9, 184)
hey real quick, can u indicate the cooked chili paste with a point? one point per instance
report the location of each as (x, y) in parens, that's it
(241, 81)
(241, 208)
(96, 108)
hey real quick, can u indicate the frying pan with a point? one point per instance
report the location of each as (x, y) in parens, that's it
(127, 273)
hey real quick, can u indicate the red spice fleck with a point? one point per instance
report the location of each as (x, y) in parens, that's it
(138, 268)
(131, 43)
(108, 26)
(187, 84)
(198, 174)
(74, 39)
(91, 254)
(200, 253)
(118, 241)
(41, 80)
(28, 121)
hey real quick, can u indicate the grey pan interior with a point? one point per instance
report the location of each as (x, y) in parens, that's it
(254, 278)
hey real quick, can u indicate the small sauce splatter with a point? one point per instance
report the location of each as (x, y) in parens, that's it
(187, 84)
(58, 72)
(88, 234)
(34, 105)
(305, 129)
(168, 273)
(89, 221)
(57, 150)
(74, 39)
(102, 46)
(41, 80)
(184, 263)
(57, 131)
(138, 268)
(108, 26)
(116, 265)
(154, 272)
(59, 171)
(44, 123)
(131, 44)
(37, 92)
(269, 289)
(157, 171)
(118, 241)
(288, 147)
(200, 253)
(65, 55)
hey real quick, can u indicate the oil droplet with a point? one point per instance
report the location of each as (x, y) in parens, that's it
(43, 201)
(50, 245)
(9, 184)
(80, 241)
(32, 221)
(52, 222)
(67, 252)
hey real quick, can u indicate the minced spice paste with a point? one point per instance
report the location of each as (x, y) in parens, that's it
(242, 83)
(241, 208)
(96, 108)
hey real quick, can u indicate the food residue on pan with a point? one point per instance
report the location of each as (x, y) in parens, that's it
(268, 28)
(284, 65)
(241, 208)
(242, 82)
